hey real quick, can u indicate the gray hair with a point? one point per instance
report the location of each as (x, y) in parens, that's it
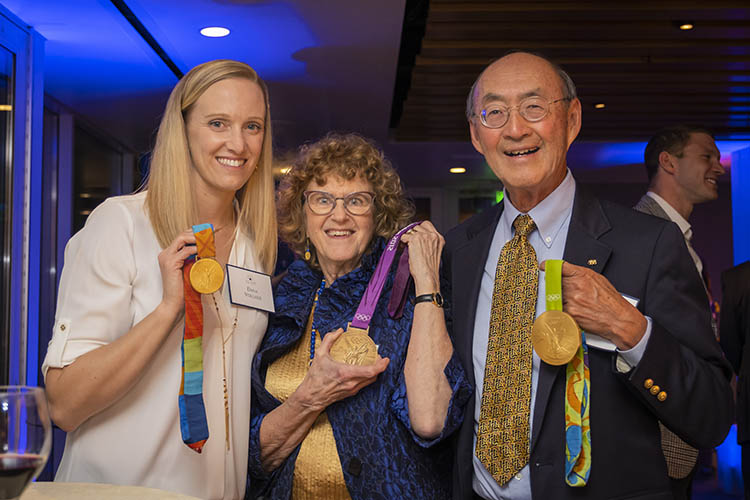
(568, 87)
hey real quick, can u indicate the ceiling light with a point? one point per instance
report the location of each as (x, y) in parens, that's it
(686, 26)
(600, 105)
(214, 31)
(458, 170)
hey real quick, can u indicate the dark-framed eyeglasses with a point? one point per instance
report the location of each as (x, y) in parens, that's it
(532, 109)
(322, 203)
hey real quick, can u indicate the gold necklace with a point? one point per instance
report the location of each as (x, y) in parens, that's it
(234, 222)
(224, 363)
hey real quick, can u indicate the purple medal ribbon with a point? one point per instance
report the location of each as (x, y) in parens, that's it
(371, 296)
(400, 285)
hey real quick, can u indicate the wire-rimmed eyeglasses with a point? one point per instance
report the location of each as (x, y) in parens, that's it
(322, 203)
(532, 109)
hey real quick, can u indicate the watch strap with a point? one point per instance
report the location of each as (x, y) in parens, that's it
(434, 298)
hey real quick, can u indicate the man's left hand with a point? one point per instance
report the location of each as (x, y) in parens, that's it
(599, 308)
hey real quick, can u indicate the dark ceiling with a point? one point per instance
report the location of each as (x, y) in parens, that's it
(355, 65)
(630, 56)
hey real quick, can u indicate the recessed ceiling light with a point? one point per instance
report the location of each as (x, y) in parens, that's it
(600, 105)
(458, 170)
(214, 31)
(686, 26)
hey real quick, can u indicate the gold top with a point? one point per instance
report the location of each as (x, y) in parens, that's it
(556, 337)
(317, 471)
(206, 275)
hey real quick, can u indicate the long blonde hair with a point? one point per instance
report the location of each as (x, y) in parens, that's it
(169, 198)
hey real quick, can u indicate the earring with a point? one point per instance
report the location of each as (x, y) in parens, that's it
(307, 250)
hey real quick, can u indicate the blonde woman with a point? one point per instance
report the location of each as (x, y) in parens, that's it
(114, 367)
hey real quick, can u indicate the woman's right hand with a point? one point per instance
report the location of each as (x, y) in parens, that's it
(329, 381)
(100, 377)
(171, 261)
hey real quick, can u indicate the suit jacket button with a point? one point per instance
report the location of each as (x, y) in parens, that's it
(662, 396)
(354, 467)
(655, 390)
(648, 383)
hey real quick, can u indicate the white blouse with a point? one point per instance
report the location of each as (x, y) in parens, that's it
(111, 281)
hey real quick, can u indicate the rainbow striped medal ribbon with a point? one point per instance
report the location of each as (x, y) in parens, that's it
(558, 340)
(355, 346)
(201, 275)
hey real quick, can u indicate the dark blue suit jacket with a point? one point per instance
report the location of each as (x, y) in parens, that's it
(643, 257)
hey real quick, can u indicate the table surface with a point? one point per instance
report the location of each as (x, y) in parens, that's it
(45, 490)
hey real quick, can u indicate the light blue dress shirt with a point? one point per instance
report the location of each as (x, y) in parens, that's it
(552, 218)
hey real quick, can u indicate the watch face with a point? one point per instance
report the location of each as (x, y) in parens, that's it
(438, 299)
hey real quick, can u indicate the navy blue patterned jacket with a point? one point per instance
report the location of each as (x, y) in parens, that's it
(381, 457)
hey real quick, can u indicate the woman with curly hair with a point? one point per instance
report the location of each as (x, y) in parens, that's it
(322, 428)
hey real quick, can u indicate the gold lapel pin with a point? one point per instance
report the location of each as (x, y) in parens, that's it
(592, 262)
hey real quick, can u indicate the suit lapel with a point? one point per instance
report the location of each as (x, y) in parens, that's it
(583, 248)
(650, 206)
(468, 265)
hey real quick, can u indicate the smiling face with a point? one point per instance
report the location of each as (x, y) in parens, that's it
(528, 157)
(225, 135)
(697, 169)
(340, 239)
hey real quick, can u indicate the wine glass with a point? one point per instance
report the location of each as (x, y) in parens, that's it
(25, 437)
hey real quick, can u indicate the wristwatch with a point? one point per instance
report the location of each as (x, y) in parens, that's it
(434, 298)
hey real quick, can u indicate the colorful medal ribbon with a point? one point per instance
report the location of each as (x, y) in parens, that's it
(577, 395)
(193, 424)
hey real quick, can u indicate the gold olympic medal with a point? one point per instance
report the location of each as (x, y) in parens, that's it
(206, 275)
(355, 347)
(556, 337)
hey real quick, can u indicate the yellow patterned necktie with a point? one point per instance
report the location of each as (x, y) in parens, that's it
(503, 434)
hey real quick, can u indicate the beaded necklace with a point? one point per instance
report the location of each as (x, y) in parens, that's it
(313, 329)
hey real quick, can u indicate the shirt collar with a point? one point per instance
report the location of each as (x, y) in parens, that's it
(549, 215)
(673, 214)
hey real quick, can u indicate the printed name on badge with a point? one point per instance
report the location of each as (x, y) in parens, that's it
(250, 288)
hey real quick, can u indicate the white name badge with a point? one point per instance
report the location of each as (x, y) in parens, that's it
(598, 342)
(250, 288)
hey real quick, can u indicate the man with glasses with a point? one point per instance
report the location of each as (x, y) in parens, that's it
(589, 428)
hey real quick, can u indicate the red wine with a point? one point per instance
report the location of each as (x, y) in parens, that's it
(15, 473)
